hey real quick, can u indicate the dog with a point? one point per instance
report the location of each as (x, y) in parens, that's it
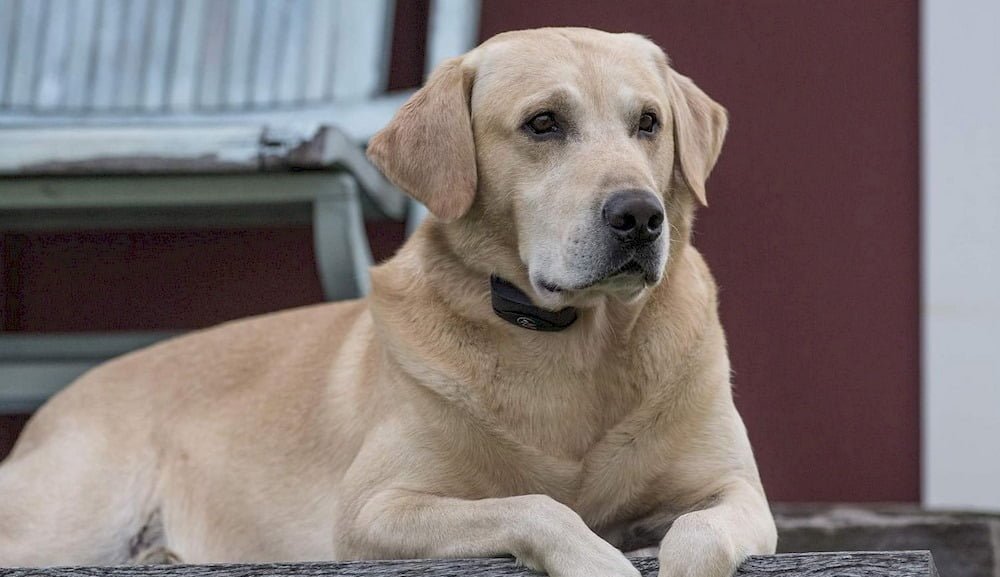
(539, 372)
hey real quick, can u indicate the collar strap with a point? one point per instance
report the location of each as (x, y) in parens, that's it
(515, 307)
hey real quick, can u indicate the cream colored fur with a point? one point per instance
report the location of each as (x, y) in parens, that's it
(416, 423)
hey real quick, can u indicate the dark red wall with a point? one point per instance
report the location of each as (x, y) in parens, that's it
(812, 231)
(135, 280)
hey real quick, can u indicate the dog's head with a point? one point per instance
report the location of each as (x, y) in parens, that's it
(575, 155)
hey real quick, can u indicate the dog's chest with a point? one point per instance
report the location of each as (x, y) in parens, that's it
(558, 411)
(558, 418)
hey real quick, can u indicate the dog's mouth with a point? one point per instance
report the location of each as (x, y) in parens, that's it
(630, 267)
(630, 273)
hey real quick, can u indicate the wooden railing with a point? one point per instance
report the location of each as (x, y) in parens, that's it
(881, 564)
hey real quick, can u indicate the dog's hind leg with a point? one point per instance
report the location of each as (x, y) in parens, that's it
(67, 499)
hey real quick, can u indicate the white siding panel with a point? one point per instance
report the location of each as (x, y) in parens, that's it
(213, 59)
(29, 27)
(239, 54)
(83, 44)
(453, 29)
(50, 81)
(359, 52)
(105, 77)
(119, 57)
(289, 78)
(265, 49)
(8, 12)
(187, 56)
(315, 60)
(134, 46)
(157, 58)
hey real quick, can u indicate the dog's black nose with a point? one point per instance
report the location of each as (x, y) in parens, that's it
(635, 216)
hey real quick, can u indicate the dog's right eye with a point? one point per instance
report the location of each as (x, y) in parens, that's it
(542, 124)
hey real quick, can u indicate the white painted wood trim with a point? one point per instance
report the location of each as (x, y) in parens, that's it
(960, 142)
(453, 29)
(360, 50)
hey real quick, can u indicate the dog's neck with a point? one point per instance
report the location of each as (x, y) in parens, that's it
(463, 270)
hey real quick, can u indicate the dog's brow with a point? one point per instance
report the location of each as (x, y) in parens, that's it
(638, 101)
(561, 99)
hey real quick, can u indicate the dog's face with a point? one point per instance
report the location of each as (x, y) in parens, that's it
(561, 145)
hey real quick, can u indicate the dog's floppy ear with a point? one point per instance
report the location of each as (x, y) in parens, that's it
(428, 149)
(699, 128)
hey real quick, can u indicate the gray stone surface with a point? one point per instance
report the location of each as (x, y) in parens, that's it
(963, 544)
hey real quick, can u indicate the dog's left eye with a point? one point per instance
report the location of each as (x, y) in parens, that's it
(648, 123)
(542, 124)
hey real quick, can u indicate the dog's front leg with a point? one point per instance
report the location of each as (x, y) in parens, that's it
(714, 541)
(539, 531)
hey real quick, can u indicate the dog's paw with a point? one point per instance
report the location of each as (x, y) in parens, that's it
(695, 548)
(593, 558)
(590, 556)
(595, 566)
(565, 547)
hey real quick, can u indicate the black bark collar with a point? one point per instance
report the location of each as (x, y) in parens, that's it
(515, 307)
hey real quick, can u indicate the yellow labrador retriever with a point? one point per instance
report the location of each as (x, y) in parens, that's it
(539, 372)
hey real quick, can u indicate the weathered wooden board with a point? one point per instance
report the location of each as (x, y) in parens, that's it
(887, 564)
(190, 150)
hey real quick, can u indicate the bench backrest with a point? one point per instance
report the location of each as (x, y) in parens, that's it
(79, 57)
